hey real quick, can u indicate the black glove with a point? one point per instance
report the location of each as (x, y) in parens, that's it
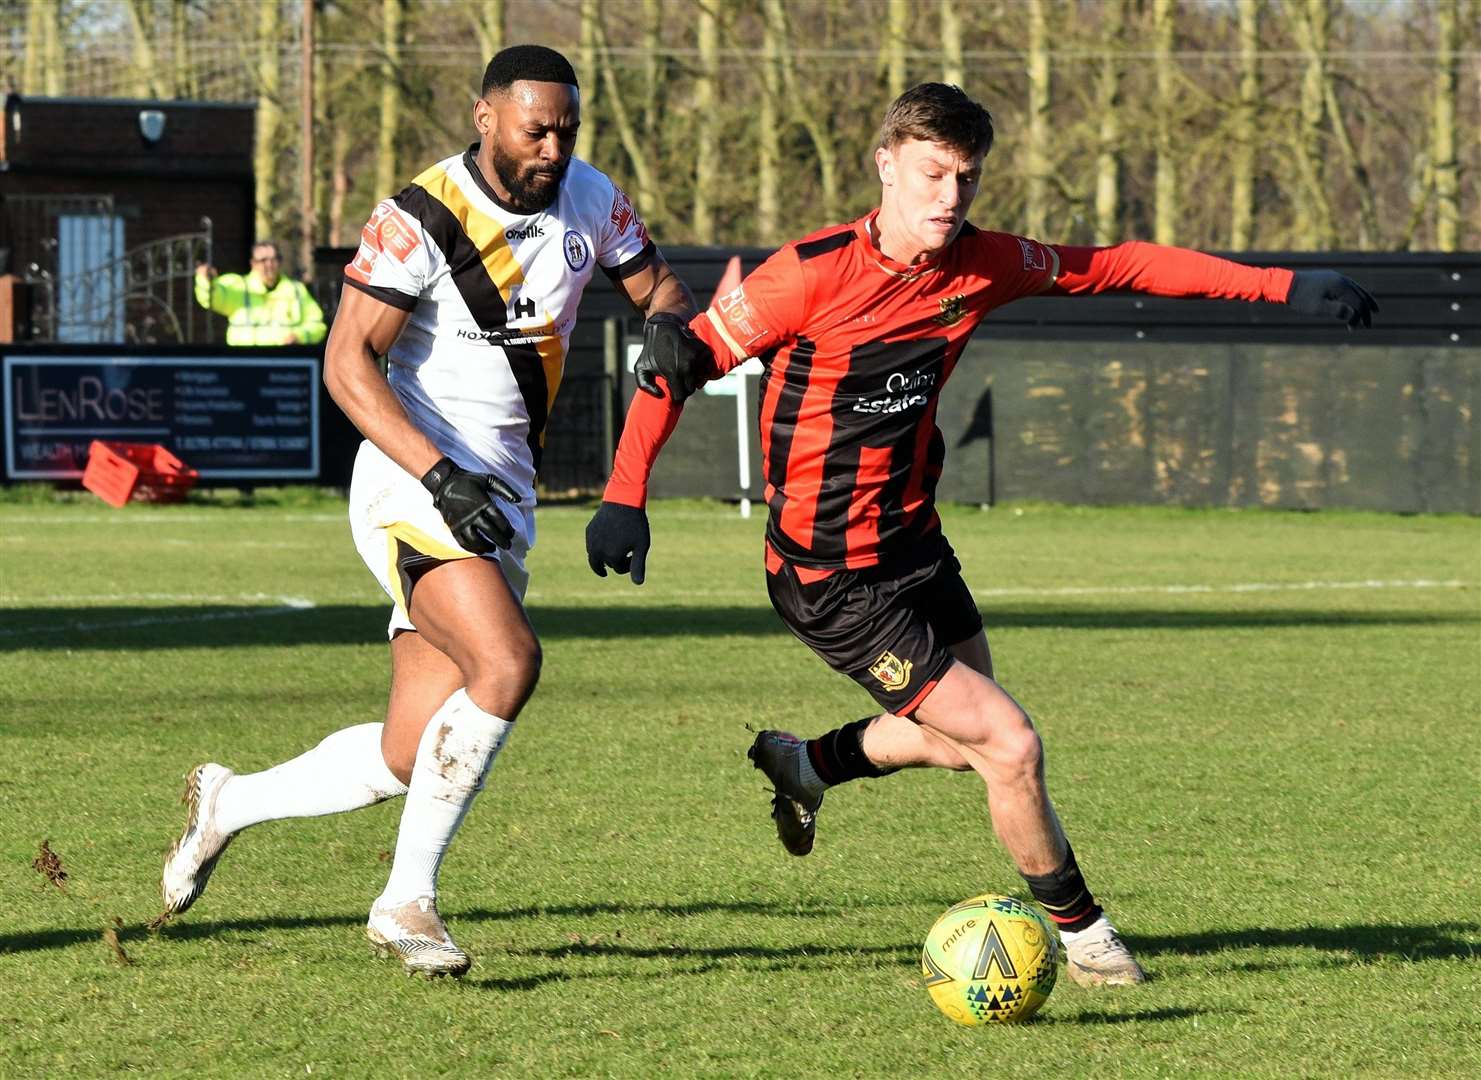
(1326, 292)
(672, 350)
(617, 536)
(466, 502)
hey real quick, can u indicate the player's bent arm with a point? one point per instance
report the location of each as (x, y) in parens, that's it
(364, 330)
(657, 288)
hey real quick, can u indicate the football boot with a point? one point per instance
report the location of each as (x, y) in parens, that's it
(1096, 956)
(192, 857)
(414, 934)
(778, 755)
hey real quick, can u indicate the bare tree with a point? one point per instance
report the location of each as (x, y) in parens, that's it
(768, 138)
(586, 61)
(488, 18)
(269, 117)
(182, 81)
(1036, 140)
(1165, 184)
(812, 119)
(652, 43)
(393, 36)
(1442, 126)
(1245, 123)
(953, 69)
(145, 65)
(1311, 24)
(41, 64)
(706, 150)
(1108, 111)
(650, 194)
(896, 36)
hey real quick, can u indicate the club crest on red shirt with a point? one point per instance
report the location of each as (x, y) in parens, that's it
(951, 310)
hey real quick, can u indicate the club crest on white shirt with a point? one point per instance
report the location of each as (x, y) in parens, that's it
(576, 250)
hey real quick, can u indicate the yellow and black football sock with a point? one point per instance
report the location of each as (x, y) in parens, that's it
(839, 755)
(1064, 895)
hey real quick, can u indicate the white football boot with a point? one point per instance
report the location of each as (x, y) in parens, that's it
(1096, 956)
(414, 933)
(778, 755)
(192, 857)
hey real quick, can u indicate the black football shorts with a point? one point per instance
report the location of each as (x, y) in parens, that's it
(886, 627)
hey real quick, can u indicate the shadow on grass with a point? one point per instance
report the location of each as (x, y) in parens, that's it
(188, 930)
(225, 626)
(1130, 1016)
(1383, 941)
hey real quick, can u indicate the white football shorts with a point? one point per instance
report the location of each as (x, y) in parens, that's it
(389, 507)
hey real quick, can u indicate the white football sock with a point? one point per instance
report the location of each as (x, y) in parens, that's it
(344, 772)
(453, 759)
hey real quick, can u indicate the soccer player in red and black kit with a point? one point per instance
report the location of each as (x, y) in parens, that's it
(859, 327)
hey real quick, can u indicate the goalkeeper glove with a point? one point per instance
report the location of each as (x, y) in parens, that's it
(466, 501)
(1326, 292)
(617, 536)
(672, 350)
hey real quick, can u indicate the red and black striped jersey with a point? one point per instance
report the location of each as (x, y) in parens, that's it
(856, 348)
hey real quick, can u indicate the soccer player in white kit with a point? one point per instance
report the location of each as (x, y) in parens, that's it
(467, 281)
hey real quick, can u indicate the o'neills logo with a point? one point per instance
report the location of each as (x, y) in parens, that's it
(892, 672)
(529, 232)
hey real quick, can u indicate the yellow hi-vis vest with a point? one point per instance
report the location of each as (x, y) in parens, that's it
(262, 316)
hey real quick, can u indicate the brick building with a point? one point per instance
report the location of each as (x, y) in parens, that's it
(105, 207)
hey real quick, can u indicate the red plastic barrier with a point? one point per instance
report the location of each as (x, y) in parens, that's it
(118, 471)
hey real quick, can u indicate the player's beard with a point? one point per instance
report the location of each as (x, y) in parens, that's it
(531, 187)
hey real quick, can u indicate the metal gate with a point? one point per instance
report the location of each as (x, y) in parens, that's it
(87, 287)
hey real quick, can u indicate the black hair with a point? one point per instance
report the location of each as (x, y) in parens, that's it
(533, 62)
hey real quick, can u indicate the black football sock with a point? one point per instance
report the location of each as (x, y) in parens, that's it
(839, 755)
(1064, 895)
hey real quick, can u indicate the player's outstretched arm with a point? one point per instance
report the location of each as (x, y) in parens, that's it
(1160, 270)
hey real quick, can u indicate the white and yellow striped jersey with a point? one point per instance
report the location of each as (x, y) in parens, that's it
(493, 293)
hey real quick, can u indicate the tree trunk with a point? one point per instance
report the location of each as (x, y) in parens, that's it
(1244, 135)
(1442, 127)
(146, 67)
(651, 203)
(1036, 137)
(269, 117)
(33, 62)
(1311, 21)
(182, 80)
(706, 76)
(652, 40)
(487, 17)
(53, 82)
(897, 20)
(393, 31)
(811, 119)
(339, 158)
(1108, 140)
(586, 70)
(1165, 183)
(768, 138)
(325, 233)
(953, 69)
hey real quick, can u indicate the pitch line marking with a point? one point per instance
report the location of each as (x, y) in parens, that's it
(1247, 587)
(285, 605)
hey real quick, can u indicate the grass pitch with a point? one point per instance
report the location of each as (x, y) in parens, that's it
(1262, 736)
